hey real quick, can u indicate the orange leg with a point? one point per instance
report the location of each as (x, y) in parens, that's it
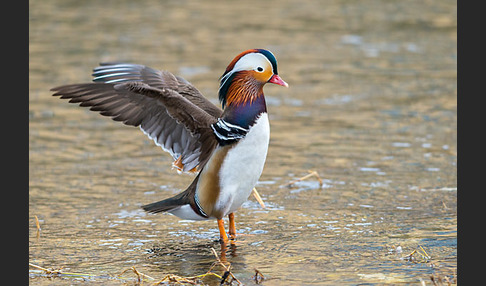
(222, 232)
(232, 227)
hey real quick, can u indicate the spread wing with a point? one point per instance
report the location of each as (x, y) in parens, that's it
(167, 108)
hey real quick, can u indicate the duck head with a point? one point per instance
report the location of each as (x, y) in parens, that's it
(244, 78)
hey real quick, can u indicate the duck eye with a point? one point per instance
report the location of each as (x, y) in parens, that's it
(259, 69)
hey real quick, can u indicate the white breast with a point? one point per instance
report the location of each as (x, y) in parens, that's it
(243, 166)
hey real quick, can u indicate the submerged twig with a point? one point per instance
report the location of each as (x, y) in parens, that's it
(311, 174)
(424, 256)
(37, 224)
(227, 268)
(258, 277)
(258, 198)
(139, 274)
(172, 278)
(48, 271)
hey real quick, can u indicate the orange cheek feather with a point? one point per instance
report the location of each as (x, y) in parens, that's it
(246, 86)
(262, 76)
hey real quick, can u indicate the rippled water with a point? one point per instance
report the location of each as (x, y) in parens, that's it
(371, 107)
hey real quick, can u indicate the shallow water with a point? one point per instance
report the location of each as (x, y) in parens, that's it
(371, 107)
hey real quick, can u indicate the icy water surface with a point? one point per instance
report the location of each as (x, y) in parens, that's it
(371, 107)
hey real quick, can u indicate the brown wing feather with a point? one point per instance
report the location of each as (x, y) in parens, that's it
(185, 136)
(122, 72)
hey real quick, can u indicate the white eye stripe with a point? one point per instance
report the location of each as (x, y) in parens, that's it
(251, 62)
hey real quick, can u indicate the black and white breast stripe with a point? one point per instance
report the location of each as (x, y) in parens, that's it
(227, 133)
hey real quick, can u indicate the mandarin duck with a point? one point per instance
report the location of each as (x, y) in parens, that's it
(226, 147)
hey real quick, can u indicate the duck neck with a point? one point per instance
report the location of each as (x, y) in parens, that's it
(245, 114)
(243, 100)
